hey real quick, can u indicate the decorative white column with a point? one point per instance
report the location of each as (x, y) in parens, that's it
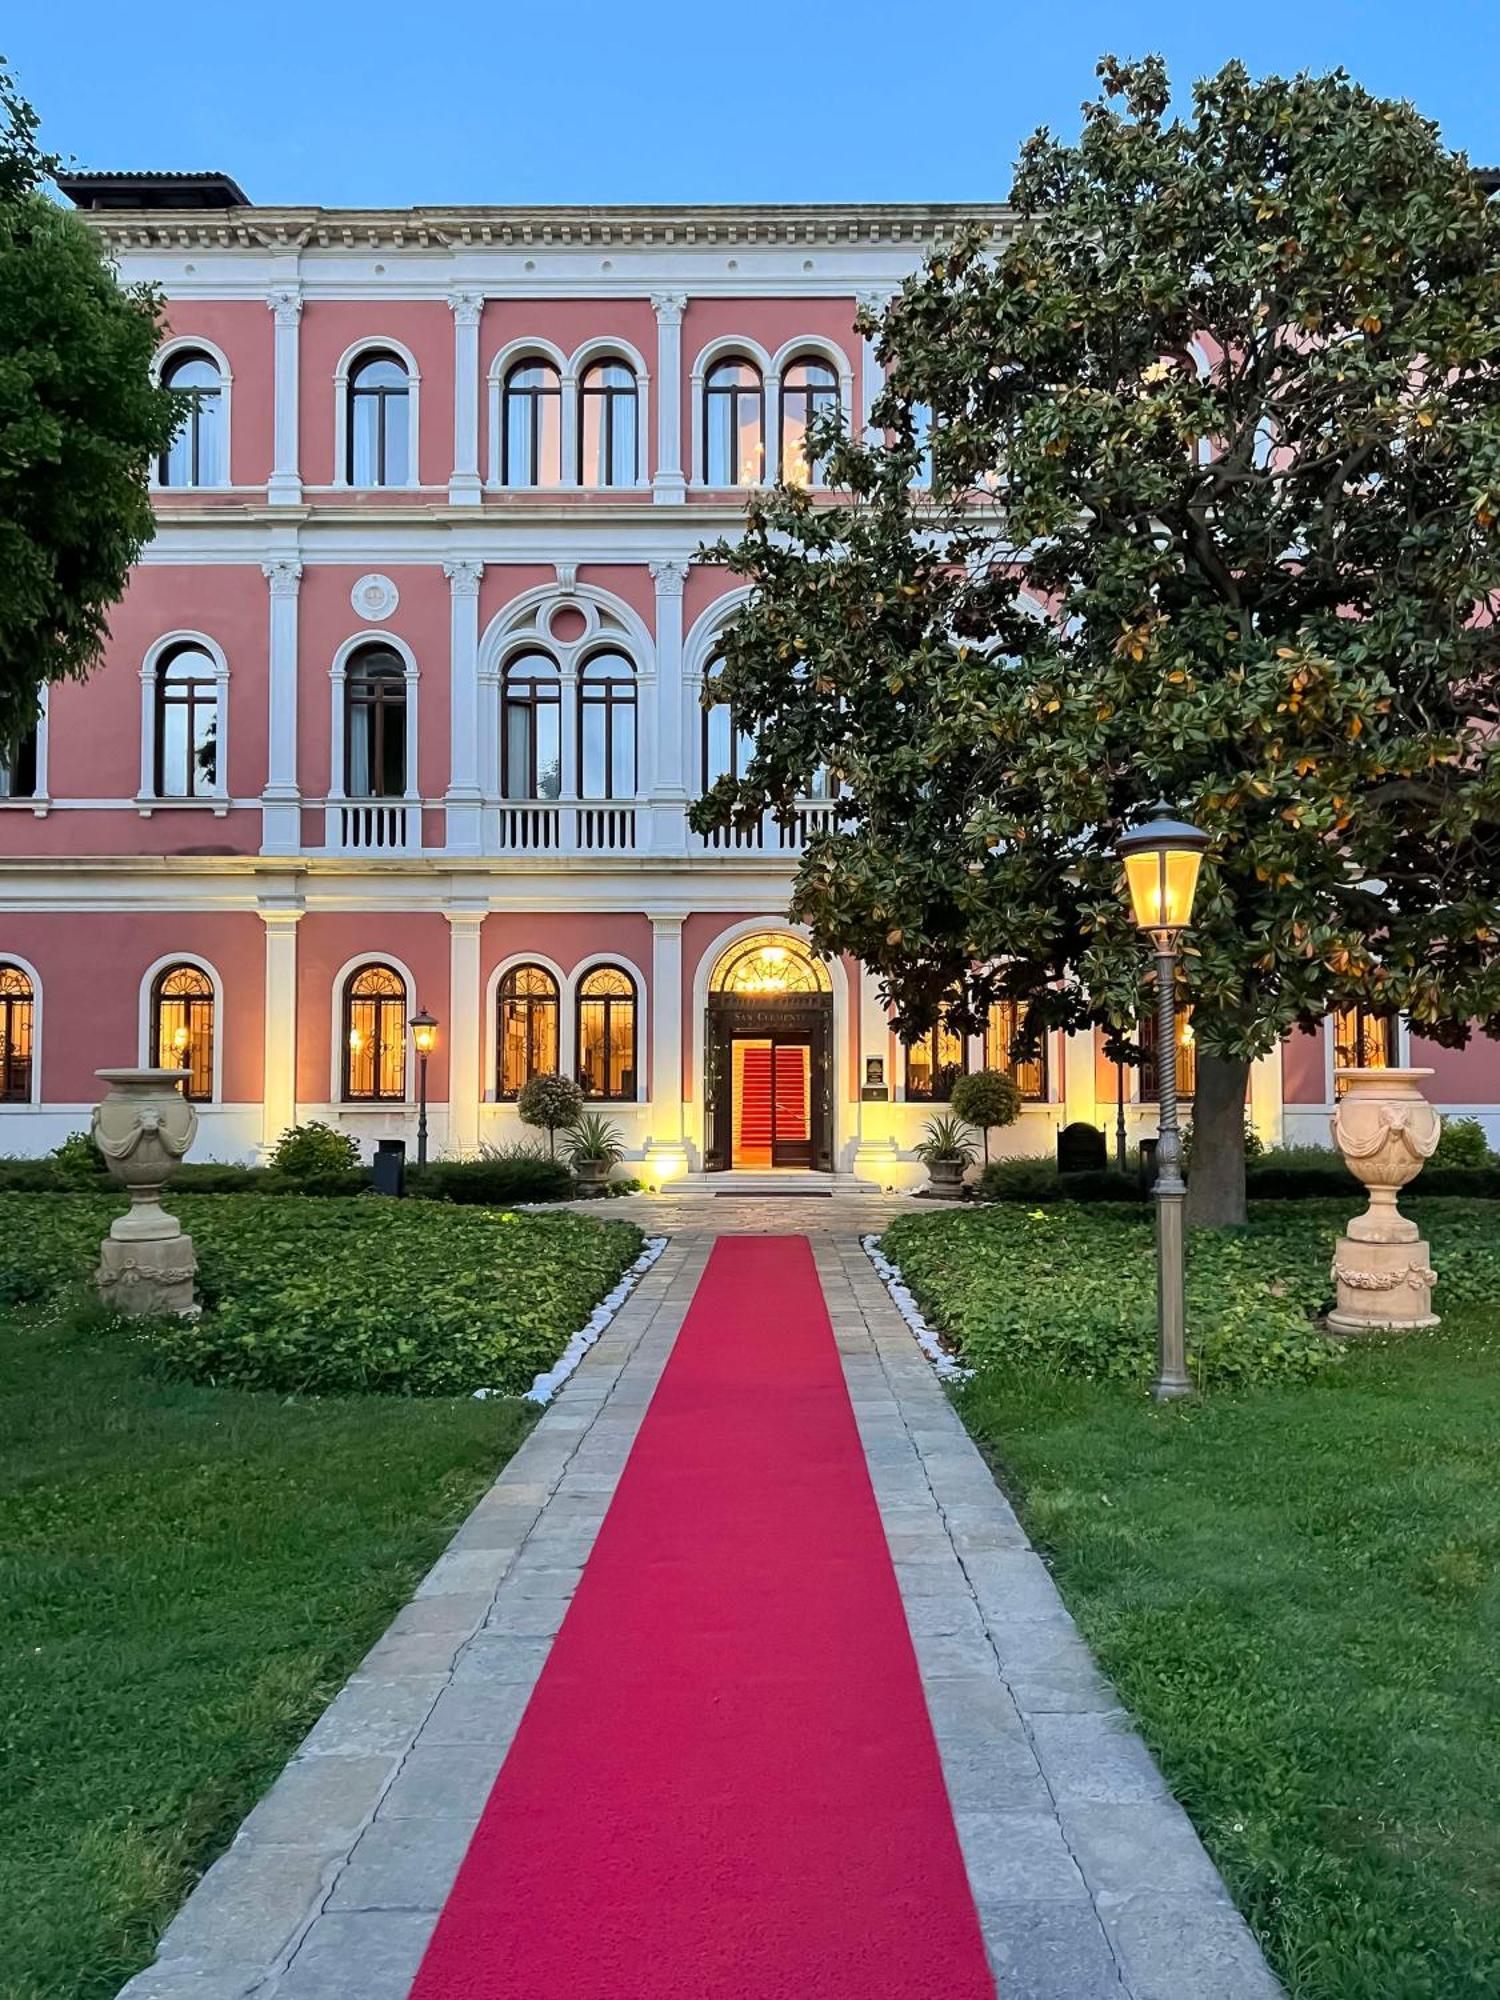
(666, 1157)
(465, 1030)
(281, 801)
(669, 789)
(877, 1157)
(463, 795)
(279, 1069)
(285, 486)
(669, 484)
(1265, 1098)
(871, 374)
(464, 487)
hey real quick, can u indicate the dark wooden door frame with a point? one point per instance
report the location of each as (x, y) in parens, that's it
(805, 1018)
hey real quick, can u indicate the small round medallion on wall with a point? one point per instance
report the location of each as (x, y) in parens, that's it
(374, 597)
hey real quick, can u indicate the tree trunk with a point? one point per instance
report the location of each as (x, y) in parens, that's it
(1216, 1179)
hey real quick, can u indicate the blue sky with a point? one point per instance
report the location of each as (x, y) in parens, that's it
(665, 101)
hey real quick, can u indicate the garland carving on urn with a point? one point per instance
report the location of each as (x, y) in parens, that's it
(143, 1126)
(1386, 1131)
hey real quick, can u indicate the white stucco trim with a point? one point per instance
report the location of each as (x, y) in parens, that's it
(170, 350)
(372, 344)
(338, 673)
(217, 795)
(336, 1034)
(489, 1092)
(729, 345)
(147, 1055)
(34, 1100)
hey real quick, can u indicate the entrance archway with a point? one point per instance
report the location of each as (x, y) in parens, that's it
(768, 1040)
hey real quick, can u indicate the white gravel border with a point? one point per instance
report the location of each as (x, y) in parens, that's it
(547, 1384)
(943, 1364)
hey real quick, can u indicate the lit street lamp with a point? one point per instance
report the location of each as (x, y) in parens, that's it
(424, 1034)
(1162, 858)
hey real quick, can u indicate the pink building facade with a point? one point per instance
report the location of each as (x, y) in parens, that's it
(402, 709)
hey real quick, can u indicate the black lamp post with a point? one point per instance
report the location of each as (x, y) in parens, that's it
(424, 1034)
(1162, 858)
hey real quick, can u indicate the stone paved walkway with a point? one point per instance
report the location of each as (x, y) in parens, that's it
(1089, 1879)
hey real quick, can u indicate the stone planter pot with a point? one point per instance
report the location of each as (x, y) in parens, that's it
(591, 1175)
(143, 1127)
(945, 1179)
(1386, 1131)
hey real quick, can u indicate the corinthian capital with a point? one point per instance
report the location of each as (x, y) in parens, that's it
(466, 307)
(463, 576)
(669, 307)
(286, 303)
(669, 576)
(284, 576)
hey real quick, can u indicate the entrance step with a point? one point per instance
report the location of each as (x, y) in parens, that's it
(790, 1181)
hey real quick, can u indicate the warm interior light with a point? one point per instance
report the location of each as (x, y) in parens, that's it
(1162, 859)
(774, 954)
(180, 1038)
(424, 1032)
(356, 1040)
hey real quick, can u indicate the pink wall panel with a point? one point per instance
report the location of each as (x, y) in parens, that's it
(329, 328)
(169, 830)
(325, 942)
(503, 583)
(631, 582)
(704, 587)
(244, 332)
(326, 621)
(1469, 1075)
(1304, 1078)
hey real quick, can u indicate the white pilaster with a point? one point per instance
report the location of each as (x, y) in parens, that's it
(669, 789)
(463, 795)
(664, 1148)
(669, 484)
(465, 1031)
(285, 486)
(871, 374)
(464, 486)
(1265, 1098)
(279, 1081)
(281, 801)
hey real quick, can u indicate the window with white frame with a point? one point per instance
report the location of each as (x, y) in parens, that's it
(197, 455)
(530, 728)
(378, 428)
(809, 388)
(531, 425)
(18, 768)
(607, 727)
(17, 1034)
(185, 714)
(182, 1027)
(726, 747)
(608, 425)
(375, 724)
(734, 424)
(374, 1052)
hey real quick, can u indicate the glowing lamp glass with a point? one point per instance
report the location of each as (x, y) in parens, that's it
(1162, 859)
(424, 1032)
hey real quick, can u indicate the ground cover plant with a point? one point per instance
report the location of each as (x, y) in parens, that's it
(1294, 1590)
(328, 1296)
(188, 1574)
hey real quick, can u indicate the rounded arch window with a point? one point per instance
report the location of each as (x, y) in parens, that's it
(531, 728)
(769, 962)
(608, 425)
(378, 450)
(186, 758)
(17, 1034)
(607, 727)
(734, 424)
(196, 455)
(935, 1061)
(727, 747)
(182, 1027)
(526, 1039)
(375, 724)
(374, 1059)
(531, 425)
(809, 387)
(606, 1038)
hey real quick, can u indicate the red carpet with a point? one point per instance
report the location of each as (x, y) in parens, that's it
(726, 1783)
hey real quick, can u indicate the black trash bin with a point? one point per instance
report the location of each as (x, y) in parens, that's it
(389, 1166)
(1148, 1165)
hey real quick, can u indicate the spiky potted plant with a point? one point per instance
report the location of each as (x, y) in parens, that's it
(947, 1151)
(594, 1148)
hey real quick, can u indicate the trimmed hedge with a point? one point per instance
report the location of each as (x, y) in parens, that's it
(496, 1178)
(1284, 1173)
(330, 1296)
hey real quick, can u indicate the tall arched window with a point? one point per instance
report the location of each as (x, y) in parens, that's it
(936, 1062)
(186, 724)
(379, 413)
(606, 1034)
(808, 387)
(607, 426)
(530, 728)
(17, 1017)
(182, 1027)
(374, 1036)
(727, 749)
(375, 724)
(1005, 1021)
(526, 1030)
(734, 425)
(531, 426)
(196, 455)
(606, 728)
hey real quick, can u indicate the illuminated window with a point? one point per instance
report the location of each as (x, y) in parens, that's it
(808, 388)
(531, 426)
(526, 1037)
(195, 457)
(1187, 1056)
(607, 448)
(936, 1062)
(187, 724)
(734, 425)
(182, 1027)
(606, 1034)
(1006, 1019)
(17, 1019)
(378, 452)
(530, 728)
(374, 1036)
(770, 962)
(375, 724)
(1363, 1038)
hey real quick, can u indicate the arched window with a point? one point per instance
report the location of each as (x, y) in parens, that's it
(727, 749)
(379, 408)
(606, 1034)
(375, 724)
(1005, 1021)
(531, 426)
(196, 455)
(1364, 1037)
(734, 425)
(526, 1032)
(1187, 1056)
(530, 728)
(18, 768)
(936, 1062)
(607, 426)
(182, 1027)
(808, 388)
(17, 1014)
(187, 724)
(606, 728)
(374, 1036)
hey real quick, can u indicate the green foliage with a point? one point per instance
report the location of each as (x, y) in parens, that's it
(1073, 1289)
(325, 1297)
(1279, 1173)
(986, 1099)
(550, 1101)
(594, 1140)
(499, 1176)
(1036, 1179)
(945, 1142)
(80, 421)
(1255, 1146)
(313, 1151)
(1462, 1144)
(77, 1162)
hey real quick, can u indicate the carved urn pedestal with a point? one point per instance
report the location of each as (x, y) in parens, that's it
(143, 1127)
(1386, 1131)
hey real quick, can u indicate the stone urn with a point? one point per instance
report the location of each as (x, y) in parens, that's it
(143, 1127)
(945, 1179)
(1386, 1131)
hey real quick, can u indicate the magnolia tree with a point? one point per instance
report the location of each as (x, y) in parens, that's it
(1189, 489)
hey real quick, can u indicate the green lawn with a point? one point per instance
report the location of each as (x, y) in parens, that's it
(1295, 1590)
(186, 1576)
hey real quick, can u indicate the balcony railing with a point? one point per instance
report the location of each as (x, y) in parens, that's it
(557, 826)
(771, 834)
(373, 826)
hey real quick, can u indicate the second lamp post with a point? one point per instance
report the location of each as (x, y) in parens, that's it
(424, 1035)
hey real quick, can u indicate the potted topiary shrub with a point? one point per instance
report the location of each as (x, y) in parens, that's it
(550, 1101)
(946, 1150)
(594, 1148)
(987, 1098)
